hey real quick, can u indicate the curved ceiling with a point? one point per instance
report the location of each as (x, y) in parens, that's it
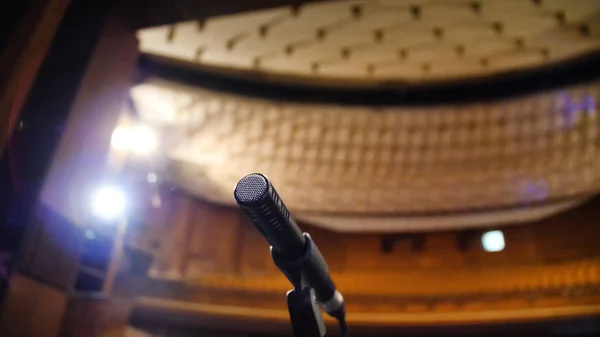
(470, 164)
(380, 41)
(366, 166)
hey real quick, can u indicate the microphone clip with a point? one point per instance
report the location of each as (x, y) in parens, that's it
(292, 268)
(305, 314)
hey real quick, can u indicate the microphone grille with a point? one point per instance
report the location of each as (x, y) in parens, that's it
(251, 188)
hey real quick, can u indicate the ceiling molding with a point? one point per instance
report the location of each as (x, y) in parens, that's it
(489, 88)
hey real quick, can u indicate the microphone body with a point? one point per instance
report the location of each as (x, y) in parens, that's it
(293, 252)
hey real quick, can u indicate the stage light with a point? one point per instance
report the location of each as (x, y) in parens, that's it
(493, 241)
(151, 177)
(108, 203)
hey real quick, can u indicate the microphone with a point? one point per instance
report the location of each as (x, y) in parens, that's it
(258, 199)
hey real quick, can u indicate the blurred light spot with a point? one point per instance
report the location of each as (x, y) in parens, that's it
(156, 201)
(21, 125)
(541, 192)
(121, 139)
(534, 189)
(493, 241)
(151, 177)
(108, 203)
(90, 235)
(590, 104)
(143, 139)
(571, 108)
(139, 139)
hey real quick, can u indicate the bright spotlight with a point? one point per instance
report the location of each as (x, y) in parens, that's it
(151, 177)
(108, 203)
(143, 139)
(493, 241)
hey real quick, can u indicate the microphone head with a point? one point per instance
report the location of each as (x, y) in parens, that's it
(258, 199)
(251, 188)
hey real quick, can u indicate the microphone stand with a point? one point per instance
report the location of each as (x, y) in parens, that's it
(305, 314)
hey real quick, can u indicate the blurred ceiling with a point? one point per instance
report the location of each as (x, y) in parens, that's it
(382, 41)
(367, 166)
(353, 168)
(352, 110)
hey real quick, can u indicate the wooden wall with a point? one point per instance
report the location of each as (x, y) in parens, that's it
(67, 111)
(212, 255)
(189, 238)
(32, 309)
(22, 55)
(95, 316)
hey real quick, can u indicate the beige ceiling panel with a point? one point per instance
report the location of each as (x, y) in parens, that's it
(529, 26)
(286, 65)
(573, 49)
(226, 58)
(317, 53)
(191, 35)
(509, 60)
(488, 48)
(431, 53)
(501, 10)
(409, 37)
(253, 46)
(344, 69)
(563, 40)
(443, 15)
(469, 33)
(455, 66)
(156, 41)
(399, 69)
(281, 41)
(574, 10)
(242, 22)
(376, 17)
(373, 54)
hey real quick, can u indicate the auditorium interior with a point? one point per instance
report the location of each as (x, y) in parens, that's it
(444, 155)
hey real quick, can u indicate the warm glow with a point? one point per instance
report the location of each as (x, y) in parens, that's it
(493, 241)
(143, 139)
(139, 139)
(156, 201)
(108, 203)
(121, 139)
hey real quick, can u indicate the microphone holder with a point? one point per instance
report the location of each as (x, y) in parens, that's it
(305, 314)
